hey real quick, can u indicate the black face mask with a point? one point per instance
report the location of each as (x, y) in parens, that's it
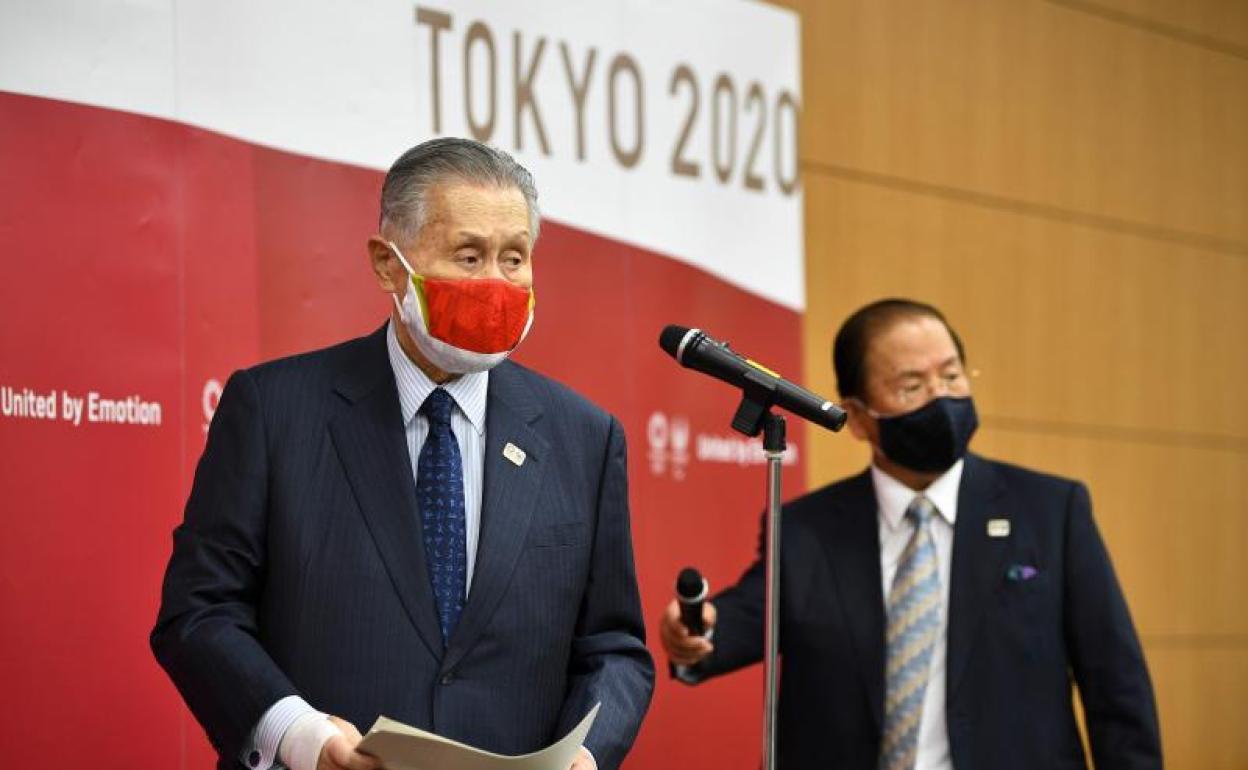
(931, 438)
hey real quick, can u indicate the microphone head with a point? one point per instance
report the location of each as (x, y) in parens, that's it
(690, 585)
(671, 337)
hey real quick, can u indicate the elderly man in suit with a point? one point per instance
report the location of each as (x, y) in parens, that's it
(936, 607)
(408, 523)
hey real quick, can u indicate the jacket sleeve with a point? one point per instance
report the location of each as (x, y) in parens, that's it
(609, 660)
(206, 635)
(1105, 654)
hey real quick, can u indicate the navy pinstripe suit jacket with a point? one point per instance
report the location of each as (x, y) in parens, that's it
(299, 566)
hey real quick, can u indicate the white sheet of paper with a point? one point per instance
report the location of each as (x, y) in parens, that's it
(402, 747)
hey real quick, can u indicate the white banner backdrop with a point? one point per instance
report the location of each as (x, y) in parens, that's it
(670, 126)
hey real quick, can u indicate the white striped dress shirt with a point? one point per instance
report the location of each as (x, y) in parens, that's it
(467, 422)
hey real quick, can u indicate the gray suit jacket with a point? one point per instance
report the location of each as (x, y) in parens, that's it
(300, 568)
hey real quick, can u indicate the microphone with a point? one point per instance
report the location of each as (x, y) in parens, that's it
(694, 349)
(691, 589)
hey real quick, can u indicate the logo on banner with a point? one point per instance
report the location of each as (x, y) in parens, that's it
(208, 400)
(669, 445)
(669, 442)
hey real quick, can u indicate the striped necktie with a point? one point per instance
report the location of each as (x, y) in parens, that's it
(913, 625)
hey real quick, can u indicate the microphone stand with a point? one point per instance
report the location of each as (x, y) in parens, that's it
(753, 416)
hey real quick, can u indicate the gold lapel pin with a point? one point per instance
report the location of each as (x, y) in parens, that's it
(514, 453)
(998, 528)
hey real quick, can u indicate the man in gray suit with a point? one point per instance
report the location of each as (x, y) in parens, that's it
(408, 523)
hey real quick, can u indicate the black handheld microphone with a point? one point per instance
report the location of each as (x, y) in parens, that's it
(691, 590)
(694, 349)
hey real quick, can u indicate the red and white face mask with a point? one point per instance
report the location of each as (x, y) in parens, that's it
(464, 325)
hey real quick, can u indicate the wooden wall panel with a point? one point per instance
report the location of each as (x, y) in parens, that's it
(1200, 696)
(1034, 103)
(1068, 180)
(1219, 25)
(1066, 323)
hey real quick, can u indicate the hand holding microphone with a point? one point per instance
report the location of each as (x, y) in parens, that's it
(687, 620)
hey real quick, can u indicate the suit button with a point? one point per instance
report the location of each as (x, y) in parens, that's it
(253, 759)
(447, 678)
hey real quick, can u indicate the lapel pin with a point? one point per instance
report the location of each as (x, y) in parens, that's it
(514, 453)
(998, 528)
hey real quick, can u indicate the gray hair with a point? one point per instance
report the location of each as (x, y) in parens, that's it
(404, 193)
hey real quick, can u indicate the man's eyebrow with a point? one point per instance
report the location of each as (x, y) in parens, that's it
(951, 360)
(470, 236)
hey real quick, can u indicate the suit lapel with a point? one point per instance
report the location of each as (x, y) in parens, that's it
(977, 562)
(852, 542)
(371, 443)
(509, 496)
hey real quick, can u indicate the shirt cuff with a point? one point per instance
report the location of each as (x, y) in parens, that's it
(260, 751)
(301, 746)
(687, 674)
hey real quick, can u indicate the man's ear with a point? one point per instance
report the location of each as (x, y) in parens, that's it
(384, 264)
(858, 419)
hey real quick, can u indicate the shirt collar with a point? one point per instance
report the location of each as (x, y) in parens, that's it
(468, 390)
(894, 498)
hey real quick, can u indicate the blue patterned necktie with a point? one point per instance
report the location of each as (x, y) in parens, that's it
(913, 625)
(440, 497)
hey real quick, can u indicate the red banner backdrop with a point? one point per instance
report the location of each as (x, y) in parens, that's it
(145, 260)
